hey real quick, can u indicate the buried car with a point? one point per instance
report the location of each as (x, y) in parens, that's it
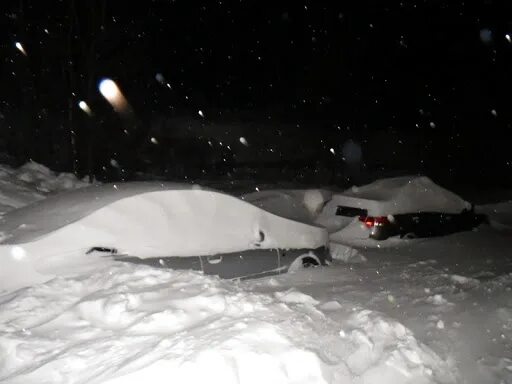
(164, 224)
(406, 206)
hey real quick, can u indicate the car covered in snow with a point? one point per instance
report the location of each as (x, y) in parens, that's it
(407, 206)
(164, 224)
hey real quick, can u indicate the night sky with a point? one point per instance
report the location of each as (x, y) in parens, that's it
(421, 86)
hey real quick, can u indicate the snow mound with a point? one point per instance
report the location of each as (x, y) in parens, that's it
(131, 323)
(32, 182)
(345, 253)
(463, 281)
(399, 195)
(384, 351)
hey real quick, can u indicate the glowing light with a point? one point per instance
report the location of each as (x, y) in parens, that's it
(509, 39)
(110, 91)
(154, 141)
(244, 141)
(20, 48)
(201, 114)
(332, 151)
(84, 107)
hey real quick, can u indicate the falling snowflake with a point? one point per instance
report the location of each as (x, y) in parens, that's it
(201, 114)
(20, 48)
(244, 141)
(84, 107)
(154, 141)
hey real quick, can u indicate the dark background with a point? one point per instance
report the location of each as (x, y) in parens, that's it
(410, 86)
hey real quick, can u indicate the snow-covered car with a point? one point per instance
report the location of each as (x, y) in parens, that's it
(408, 206)
(165, 224)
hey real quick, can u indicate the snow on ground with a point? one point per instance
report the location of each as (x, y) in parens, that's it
(130, 323)
(453, 293)
(429, 311)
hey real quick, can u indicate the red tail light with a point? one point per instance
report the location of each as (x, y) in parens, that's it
(367, 220)
(370, 221)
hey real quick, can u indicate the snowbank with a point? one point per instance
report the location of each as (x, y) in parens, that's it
(131, 323)
(31, 182)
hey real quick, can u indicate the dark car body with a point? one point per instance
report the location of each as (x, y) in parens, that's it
(246, 264)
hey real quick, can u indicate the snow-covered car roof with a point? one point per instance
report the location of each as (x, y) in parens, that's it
(41, 217)
(153, 214)
(399, 195)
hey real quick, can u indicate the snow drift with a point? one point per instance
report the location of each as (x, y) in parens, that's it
(132, 323)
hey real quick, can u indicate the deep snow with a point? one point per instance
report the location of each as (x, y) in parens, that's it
(429, 311)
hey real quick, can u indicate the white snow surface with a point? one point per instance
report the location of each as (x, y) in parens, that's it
(432, 311)
(32, 182)
(398, 195)
(131, 323)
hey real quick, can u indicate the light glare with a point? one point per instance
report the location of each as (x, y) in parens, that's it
(109, 90)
